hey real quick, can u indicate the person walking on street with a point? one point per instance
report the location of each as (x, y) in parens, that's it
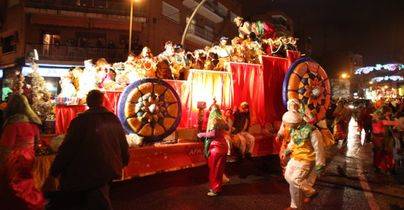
(307, 159)
(93, 153)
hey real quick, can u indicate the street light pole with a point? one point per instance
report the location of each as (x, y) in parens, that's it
(130, 25)
(184, 34)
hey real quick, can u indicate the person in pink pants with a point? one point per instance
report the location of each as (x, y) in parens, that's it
(215, 149)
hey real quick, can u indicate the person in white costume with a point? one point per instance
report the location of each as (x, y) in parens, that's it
(307, 159)
(355, 137)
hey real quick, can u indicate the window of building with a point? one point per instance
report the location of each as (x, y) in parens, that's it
(171, 12)
(192, 26)
(209, 33)
(222, 9)
(11, 3)
(48, 40)
(92, 39)
(9, 43)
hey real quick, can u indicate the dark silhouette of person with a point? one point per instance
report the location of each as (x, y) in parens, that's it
(93, 153)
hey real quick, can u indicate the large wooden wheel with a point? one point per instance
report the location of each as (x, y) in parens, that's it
(307, 81)
(149, 108)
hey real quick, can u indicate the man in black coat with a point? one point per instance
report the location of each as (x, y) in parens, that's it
(93, 154)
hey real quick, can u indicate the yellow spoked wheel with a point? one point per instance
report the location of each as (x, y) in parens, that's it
(150, 108)
(307, 81)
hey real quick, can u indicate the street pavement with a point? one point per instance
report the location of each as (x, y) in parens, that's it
(348, 183)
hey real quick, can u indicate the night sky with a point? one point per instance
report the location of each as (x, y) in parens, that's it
(340, 28)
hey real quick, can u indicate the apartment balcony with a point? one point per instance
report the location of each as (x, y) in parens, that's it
(200, 35)
(87, 6)
(73, 53)
(208, 10)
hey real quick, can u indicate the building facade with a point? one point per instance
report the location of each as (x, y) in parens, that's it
(69, 32)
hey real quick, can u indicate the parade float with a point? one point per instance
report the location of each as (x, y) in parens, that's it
(162, 100)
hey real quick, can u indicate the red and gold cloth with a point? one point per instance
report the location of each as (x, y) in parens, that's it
(64, 115)
(111, 99)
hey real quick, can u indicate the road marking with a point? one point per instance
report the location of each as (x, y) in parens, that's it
(366, 188)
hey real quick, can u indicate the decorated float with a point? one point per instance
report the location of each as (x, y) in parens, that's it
(162, 100)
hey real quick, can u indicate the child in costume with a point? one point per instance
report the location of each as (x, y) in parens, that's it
(283, 135)
(307, 158)
(215, 149)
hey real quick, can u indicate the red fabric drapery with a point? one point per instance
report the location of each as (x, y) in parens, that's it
(261, 87)
(64, 115)
(111, 99)
(248, 85)
(292, 56)
(274, 69)
(203, 86)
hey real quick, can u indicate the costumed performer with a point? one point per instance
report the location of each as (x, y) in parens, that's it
(223, 49)
(148, 66)
(244, 27)
(17, 155)
(240, 129)
(283, 134)
(230, 138)
(215, 149)
(307, 159)
(383, 140)
(328, 139)
(224, 52)
(355, 137)
(340, 125)
(264, 30)
(168, 51)
(179, 63)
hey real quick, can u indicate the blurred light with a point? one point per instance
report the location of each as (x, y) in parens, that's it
(344, 75)
(394, 78)
(379, 67)
(46, 72)
(50, 86)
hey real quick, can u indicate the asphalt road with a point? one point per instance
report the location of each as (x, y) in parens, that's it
(257, 184)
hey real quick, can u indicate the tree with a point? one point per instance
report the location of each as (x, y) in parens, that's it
(40, 96)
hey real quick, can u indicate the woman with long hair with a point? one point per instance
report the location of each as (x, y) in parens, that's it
(17, 155)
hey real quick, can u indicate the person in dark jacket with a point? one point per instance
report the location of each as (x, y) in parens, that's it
(93, 153)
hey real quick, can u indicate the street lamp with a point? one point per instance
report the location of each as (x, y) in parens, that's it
(130, 24)
(344, 75)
